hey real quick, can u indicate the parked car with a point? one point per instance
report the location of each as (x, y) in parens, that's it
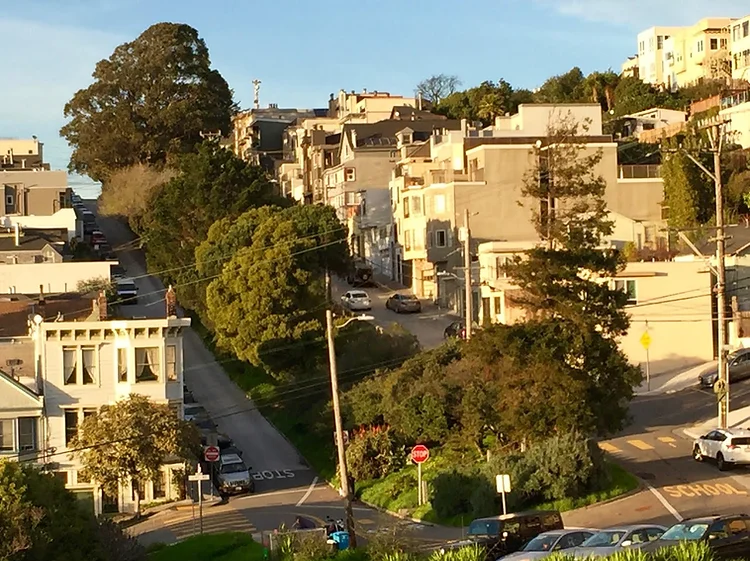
(507, 533)
(739, 369)
(607, 542)
(401, 303)
(195, 412)
(356, 300)
(547, 543)
(117, 272)
(728, 535)
(728, 447)
(127, 292)
(360, 274)
(98, 238)
(87, 216)
(234, 475)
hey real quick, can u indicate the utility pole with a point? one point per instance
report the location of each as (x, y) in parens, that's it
(467, 274)
(716, 138)
(721, 279)
(343, 471)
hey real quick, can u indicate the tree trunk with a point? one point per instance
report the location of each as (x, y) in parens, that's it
(609, 94)
(137, 492)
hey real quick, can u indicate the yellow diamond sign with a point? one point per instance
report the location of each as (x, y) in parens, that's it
(646, 340)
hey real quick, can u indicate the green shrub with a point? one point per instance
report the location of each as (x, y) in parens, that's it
(373, 453)
(452, 492)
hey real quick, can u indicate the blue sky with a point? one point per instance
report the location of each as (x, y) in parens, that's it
(303, 50)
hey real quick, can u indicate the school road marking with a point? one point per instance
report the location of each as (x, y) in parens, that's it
(664, 502)
(608, 447)
(668, 440)
(702, 490)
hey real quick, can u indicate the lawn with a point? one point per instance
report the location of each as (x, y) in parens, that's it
(398, 492)
(231, 546)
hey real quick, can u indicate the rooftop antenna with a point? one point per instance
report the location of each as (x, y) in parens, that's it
(256, 93)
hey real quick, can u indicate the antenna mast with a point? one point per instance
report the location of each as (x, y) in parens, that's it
(256, 93)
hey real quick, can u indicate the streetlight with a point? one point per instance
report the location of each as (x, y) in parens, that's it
(343, 471)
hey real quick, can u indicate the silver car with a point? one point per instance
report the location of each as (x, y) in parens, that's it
(547, 543)
(607, 542)
(234, 475)
(356, 300)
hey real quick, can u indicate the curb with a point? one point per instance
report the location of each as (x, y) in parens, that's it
(641, 487)
(397, 515)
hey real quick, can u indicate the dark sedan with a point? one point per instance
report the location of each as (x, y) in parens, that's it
(404, 303)
(739, 369)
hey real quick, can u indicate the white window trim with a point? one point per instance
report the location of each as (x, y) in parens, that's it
(79, 364)
(625, 282)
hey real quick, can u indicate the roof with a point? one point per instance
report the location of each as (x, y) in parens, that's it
(15, 311)
(19, 386)
(408, 113)
(383, 133)
(32, 240)
(231, 459)
(737, 243)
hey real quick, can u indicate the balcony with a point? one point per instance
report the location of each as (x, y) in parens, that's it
(650, 171)
(445, 176)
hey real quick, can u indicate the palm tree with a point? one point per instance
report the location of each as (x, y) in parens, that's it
(491, 106)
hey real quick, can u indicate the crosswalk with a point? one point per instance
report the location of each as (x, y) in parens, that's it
(225, 521)
(638, 444)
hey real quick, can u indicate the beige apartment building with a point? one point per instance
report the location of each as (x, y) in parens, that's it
(740, 48)
(697, 52)
(366, 107)
(482, 172)
(650, 43)
(20, 153)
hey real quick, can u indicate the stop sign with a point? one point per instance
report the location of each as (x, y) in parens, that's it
(211, 453)
(420, 454)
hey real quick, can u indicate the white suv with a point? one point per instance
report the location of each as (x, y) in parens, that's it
(727, 446)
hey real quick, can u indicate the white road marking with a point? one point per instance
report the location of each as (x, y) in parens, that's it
(664, 502)
(308, 492)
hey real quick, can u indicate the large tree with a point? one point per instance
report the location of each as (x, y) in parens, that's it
(152, 98)
(563, 88)
(40, 520)
(437, 87)
(130, 440)
(211, 184)
(565, 282)
(267, 305)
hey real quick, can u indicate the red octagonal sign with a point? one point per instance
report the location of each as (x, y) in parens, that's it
(420, 454)
(211, 453)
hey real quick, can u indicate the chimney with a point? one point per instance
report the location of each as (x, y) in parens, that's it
(419, 101)
(170, 298)
(102, 305)
(464, 126)
(18, 234)
(42, 304)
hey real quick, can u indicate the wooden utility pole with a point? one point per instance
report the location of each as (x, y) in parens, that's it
(343, 471)
(467, 275)
(721, 279)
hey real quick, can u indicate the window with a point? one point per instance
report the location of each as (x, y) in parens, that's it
(89, 412)
(699, 46)
(746, 28)
(122, 365)
(349, 174)
(713, 44)
(9, 200)
(171, 362)
(441, 239)
(407, 139)
(438, 202)
(416, 205)
(27, 433)
(660, 42)
(629, 288)
(407, 240)
(62, 476)
(736, 33)
(69, 365)
(6, 435)
(88, 374)
(71, 425)
(147, 364)
(141, 486)
(159, 486)
(722, 43)
(498, 302)
(406, 207)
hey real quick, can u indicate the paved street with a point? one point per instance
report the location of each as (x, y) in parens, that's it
(428, 325)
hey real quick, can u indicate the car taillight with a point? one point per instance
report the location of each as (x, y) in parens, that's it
(732, 447)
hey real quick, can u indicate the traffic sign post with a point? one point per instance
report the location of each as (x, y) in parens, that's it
(199, 477)
(502, 482)
(419, 455)
(646, 342)
(212, 455)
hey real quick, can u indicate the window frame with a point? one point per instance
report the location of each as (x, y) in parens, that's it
(10, 434)
(34, 434)
(70, 431)
(437, 238)
(625, 287)
(122, 375)
(171, 375)
(157, 373)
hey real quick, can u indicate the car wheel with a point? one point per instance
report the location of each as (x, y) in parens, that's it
(697, 454)
(722, 464)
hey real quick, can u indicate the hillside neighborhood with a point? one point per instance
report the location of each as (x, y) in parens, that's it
(487, 316)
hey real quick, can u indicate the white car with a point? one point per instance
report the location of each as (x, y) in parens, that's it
(728, 447)
(356, 300)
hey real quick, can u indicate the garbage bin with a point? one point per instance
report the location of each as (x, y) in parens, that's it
(341, 539)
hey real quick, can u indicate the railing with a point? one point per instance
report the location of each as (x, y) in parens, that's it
(445, 176)
(649, 171)
(736, 98)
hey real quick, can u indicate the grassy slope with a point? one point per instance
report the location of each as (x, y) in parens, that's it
(231, 546)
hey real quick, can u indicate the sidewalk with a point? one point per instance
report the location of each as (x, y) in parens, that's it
(739, 418)
(673, 382)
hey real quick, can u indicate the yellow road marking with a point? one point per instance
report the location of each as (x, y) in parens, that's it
(702, 490)
(668, 440)
(640, 445)
(608, 447)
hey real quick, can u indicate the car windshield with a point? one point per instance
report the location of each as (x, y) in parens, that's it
(128, 286)
(409, 297)
(604, 539)
(233, 468)
(484, 528)
(542, 543)
(680, 532)
(359, 295)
